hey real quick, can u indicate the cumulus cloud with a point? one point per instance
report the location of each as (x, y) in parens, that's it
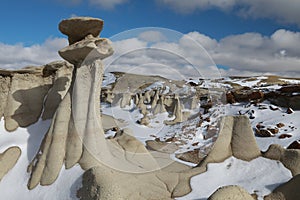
(244, 54)
(18, 56)
(152, 36)
(286, 11)
(254, 52)
(192, 54)
(107, 4)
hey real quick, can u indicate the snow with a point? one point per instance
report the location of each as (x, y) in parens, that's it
(245, 82)
(155, 85)
(108, 79)
(13, 186)
(270, 118)
(260, 176)
(290, 81)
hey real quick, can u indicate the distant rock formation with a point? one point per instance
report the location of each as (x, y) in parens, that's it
(19, 88)
(134, 90)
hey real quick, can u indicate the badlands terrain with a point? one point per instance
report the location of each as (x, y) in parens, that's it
(70, 130)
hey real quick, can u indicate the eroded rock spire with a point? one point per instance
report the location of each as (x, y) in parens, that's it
(76, 120)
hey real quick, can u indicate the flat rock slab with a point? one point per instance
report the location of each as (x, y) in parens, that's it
(87, 49)
(77, 28)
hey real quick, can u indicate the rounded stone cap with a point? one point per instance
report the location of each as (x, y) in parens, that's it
(77, 28)
(230, 192)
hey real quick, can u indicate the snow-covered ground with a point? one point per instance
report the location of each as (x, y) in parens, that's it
(13, 186)
(259, 176)
(269, 118)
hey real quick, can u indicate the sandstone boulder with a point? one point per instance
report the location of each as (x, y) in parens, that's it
(236, 138)
(77, 28)
(8, 159)
(290, 158)
(230, 193)
(294, 145)
(88, 49)
(286, 191)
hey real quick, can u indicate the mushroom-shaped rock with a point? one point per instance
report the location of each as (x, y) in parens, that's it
(75, 133)
(78, 28)
(88, 49)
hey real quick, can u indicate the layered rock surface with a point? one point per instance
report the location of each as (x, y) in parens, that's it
(76, 131)
(19, 88)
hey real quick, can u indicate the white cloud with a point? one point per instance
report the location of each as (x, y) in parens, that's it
(107, 4)
(152, 36)
(254, 52)
(192, 5)
(245, 54)
(284, 11)
(18, 56)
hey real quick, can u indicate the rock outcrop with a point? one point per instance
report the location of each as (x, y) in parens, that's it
(290, 158)
(230, 193)
(286, 191)
(236, 138)
(76, 132)
(79, 27)
(19, 88)
(8, 159)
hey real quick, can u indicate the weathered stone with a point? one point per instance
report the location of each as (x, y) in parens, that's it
(8, 159)
(194, 156)
(25, 89)
(294, 145)
(77, 28)
(289, 111)
(230, 193)
(177, 112)
(87, 49)
(290, 158)
(161, 146)
(286, 191)
(263, 133)
(284, 135)
(235, 139)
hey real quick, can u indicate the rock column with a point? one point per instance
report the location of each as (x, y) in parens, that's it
(76, 133)
(76, 126)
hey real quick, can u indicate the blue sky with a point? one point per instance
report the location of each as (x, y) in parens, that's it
(32, 24)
